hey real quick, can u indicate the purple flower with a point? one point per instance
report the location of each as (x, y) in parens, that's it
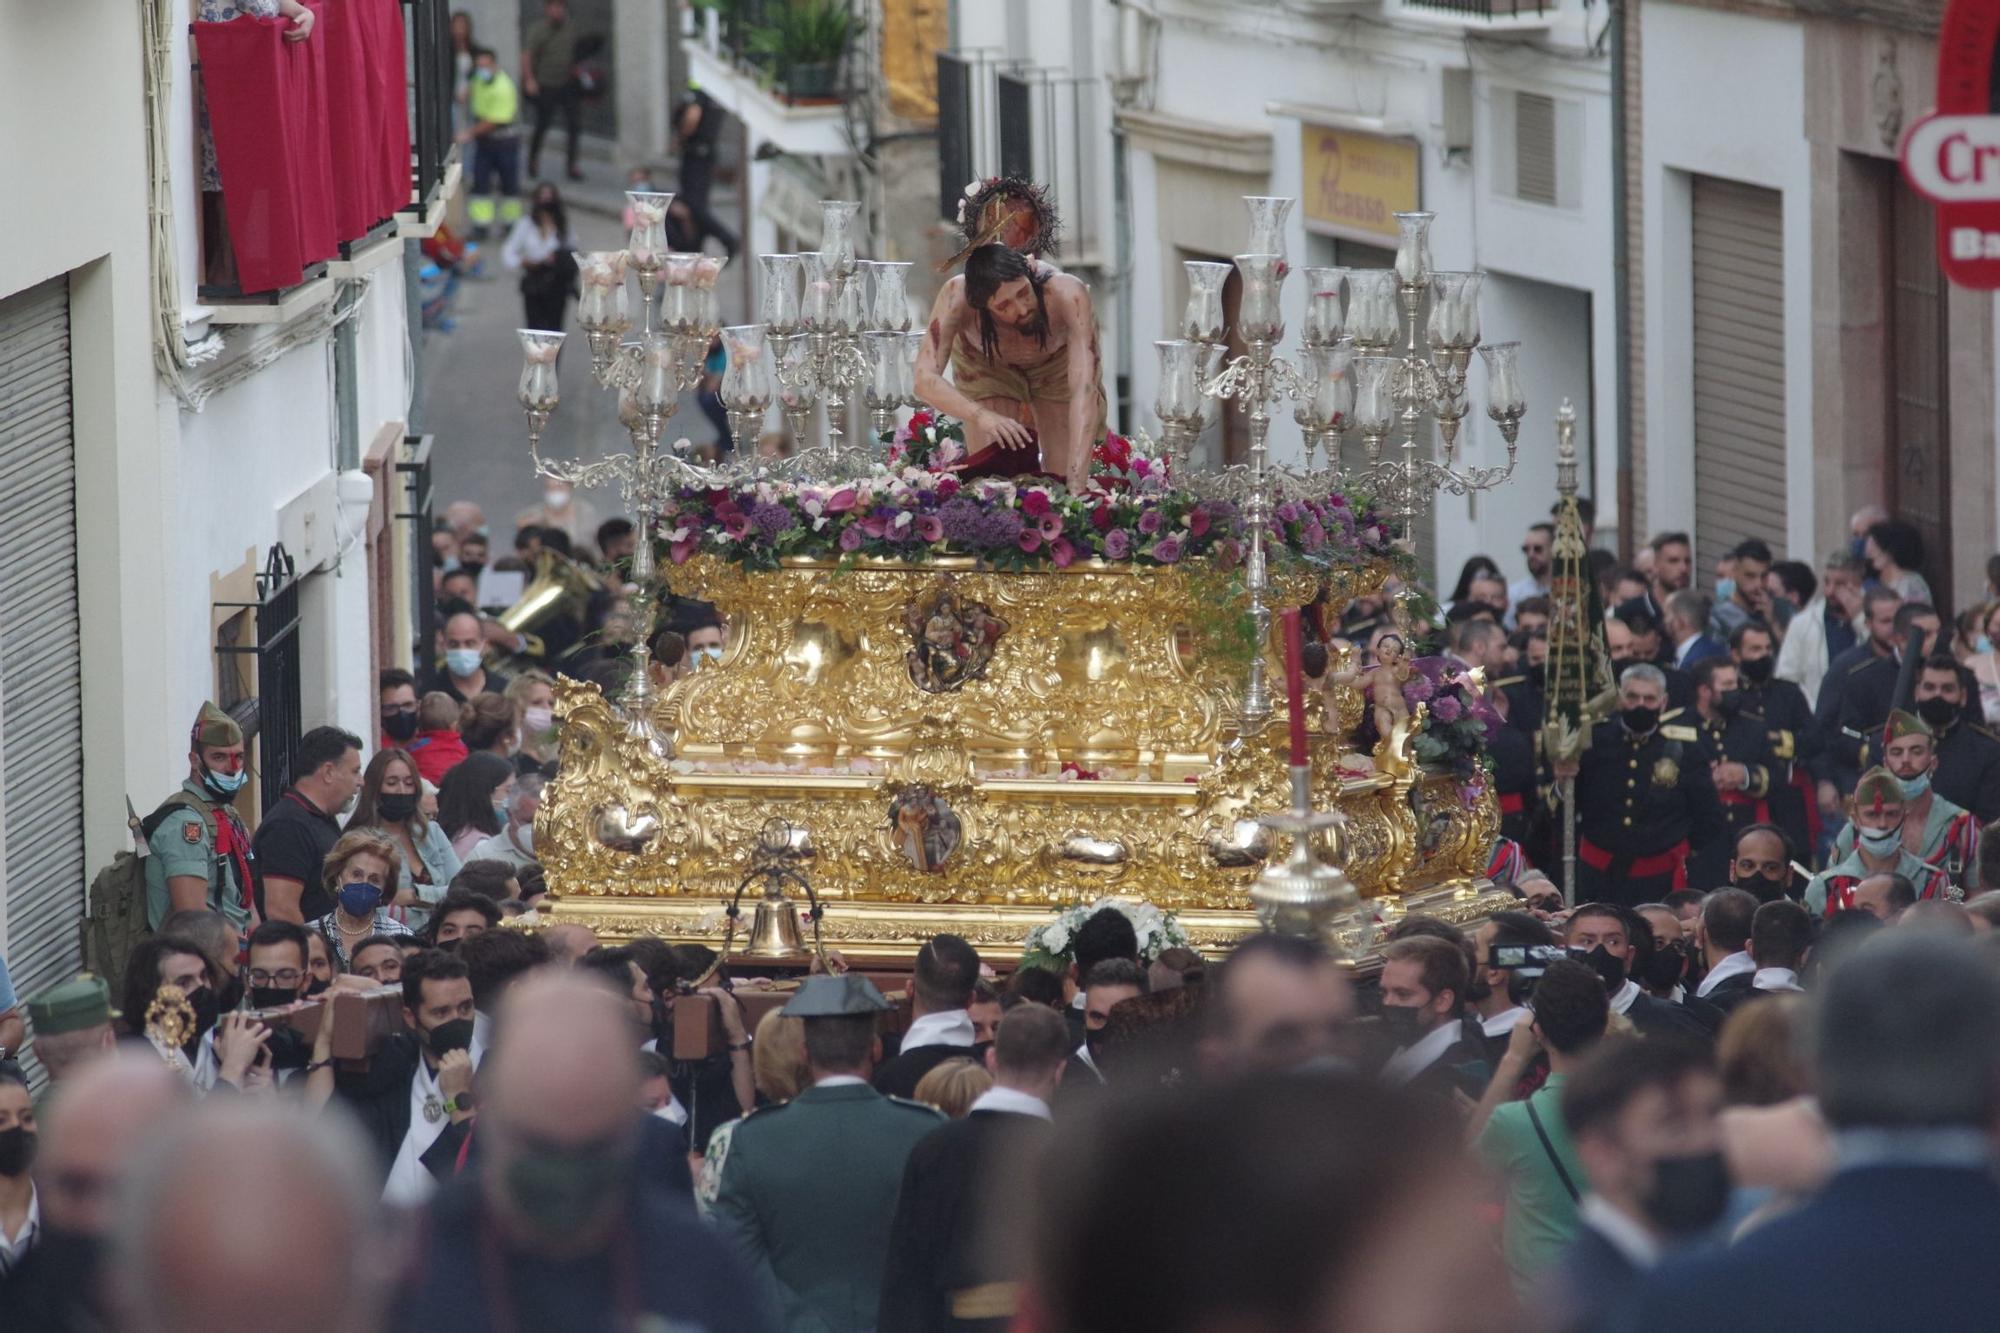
(1117, 544)
(1445, 708)
(850, 538)
(770, 519)
(1418, 689)
(1149, 522)
(1289, 512)
(1166, 550)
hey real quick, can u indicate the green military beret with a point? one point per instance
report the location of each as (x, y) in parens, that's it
(835, 997)
(212, 726)
(84, 1002)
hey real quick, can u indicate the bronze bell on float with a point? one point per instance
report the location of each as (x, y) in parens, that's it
(776, 935)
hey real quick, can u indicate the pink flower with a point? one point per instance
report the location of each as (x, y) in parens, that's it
(737, 525)
(1100, 517)
(1149, 522)
(1034, 503)
(930, 528)
(841, 500)
(850, 538)
(1445, 708)
(681, 550)
(1030, 540)
(874, 525)
(1117, 544)
(1062, 553)
(1197, 521)
(947, 487)
(1050, 527)
(1166, 550)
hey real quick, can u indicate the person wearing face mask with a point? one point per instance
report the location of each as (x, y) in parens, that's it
(417, 1083)
(1523, 1143)
(200, 854)
(1644, 1117)
(1906, 1064)
(1107, 984)
(706, 638)
(1632, 636)
(493, 105)
(1734, 748)
(463, 673)
(1792, 751)
(1644, 800)
(1968, 755)
(397, 691)
(514, 844)
(1877, 813)
(20, 1211)
(563, 509)
(302, 826)
(1939, 832)
(1423, 987)
(533, 695)
(363, 879)
(1761, 863)
(1860, 687)
(170, 960)
(388, 807)
(1617, 944)
(473, 802)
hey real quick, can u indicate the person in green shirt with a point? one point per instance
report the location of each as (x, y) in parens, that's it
(1524, 1143)
(198, 852)
(548, 76)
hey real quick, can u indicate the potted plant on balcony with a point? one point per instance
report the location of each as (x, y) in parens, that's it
(805, 40)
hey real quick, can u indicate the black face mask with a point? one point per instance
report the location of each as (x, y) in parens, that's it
(1757, 670)
(1609, 967)
(207, 1009)
(271, 997)
(1667, 965)
(1937, 711)
(1731, 702)
(289, 1049)
(445, 1038)
(472, 568)
(663, 1024)
(399, 726)
(1764, 890)
(17, 1150)
(1639, 721)
(230, 996)
(1618, 665)
(446, 946)
(1689, 1194)
(1403, 1022)
(317, 987)
(396, 806)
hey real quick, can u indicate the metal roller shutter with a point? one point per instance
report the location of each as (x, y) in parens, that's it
(41, 715)
(1739, 367)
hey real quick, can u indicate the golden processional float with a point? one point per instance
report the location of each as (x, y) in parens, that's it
(966, 704)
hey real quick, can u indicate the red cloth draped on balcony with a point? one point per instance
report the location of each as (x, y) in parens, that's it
(367, 106)
(267, 107)
(389, 93)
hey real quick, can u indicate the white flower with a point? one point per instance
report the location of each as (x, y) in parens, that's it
(973, 188)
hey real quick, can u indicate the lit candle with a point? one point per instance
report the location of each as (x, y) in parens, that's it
(1295, 684)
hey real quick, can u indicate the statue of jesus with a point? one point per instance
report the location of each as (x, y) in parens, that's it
(1020, 339)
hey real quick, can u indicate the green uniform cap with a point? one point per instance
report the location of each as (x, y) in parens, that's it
(84, 1002)
(835, 997)
(212, 726)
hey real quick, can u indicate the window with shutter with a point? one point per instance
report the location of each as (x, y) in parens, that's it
(1535, 148)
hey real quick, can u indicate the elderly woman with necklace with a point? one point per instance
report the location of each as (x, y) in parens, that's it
(361, 876)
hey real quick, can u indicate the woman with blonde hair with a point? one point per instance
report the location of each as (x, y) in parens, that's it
(778, 1063)
(533, 694)
(360, 874)
(390, 804)
(954, 1086)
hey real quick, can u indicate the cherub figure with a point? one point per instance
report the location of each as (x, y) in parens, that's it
(1383, 684)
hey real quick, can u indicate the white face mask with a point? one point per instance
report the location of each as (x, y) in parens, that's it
(555, 497)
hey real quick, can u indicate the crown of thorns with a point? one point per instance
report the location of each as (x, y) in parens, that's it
(988, 207)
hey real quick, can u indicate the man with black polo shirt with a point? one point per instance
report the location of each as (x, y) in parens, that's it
(292, 842)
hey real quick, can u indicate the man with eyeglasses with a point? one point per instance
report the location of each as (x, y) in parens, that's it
(397, 689)
(1538, 550)
(275, 976)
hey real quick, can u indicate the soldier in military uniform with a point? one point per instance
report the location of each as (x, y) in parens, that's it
(1877, 812)
(1644, 800)
(1968, 755)
(1938, 832)
(809, 1188)
(1734, 747)
(1860, 689)
(71, 1024)
(198, 850)
(1794, 754)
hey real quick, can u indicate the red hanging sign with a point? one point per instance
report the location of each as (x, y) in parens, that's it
(1952, 156)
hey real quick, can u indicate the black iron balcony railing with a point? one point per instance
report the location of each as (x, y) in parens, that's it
(1484, 9)
(427, 34)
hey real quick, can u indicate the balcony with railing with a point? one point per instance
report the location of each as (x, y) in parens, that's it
(319, 154)
(784, 67)
(1482, 15)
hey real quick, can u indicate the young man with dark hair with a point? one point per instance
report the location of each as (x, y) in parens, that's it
(1610, 939)
(946, 970)
(943, 1259)
(417, 1084)
(396, 690)
(1791, 751)
(1523, 1142)
(1643, 1119)
(1722, 934)
(1968, 755)
(1106, 933)
(1781, 934)
(1424, 984)
(461, 915)
(495, 959)
(297, 833)
(1278, 1002)
(1492, 992)
(808, 1189)
(1108, 984)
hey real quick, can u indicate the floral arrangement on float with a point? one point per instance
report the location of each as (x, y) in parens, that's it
(924, 503)
(1052, 944)
(1458, 724)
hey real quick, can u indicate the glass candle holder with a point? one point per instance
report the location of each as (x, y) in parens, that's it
(1178, 399)
(890, 309)
(646, 243)
(538, 390)
(1413, 251)
(1375, 393)
(1372, 318)
(779, 306)
(1267, 226)
(601, 303)
(884, 352)
(1203, 320)
(657, 387)
(795, 387)
(1258, 317)
(1328, 370)
(909, 350)
(836, 235)
(1326, 317)
(816, 301)
(747, 382)
(1467, 322)
(850, 303)
(1504, 398)
(1445, 327)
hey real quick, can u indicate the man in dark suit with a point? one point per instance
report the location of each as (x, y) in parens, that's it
(1641, 1115)
(1968, 755)
(1722, 932)
(1686, 624)
(1907, 1053)
(1605, 933)
(1424, 984)
(941, 982)
(1860, 688)
(954, 1259)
